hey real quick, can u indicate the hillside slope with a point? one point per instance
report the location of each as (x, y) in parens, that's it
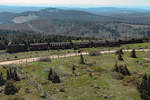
(104, 22)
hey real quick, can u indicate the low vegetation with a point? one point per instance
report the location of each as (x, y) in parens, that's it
(144, 87)
(52, 76)
(10, 88)
(122, 69)
(2, 81)
(6, 56)
(133, 54)
(88, 77)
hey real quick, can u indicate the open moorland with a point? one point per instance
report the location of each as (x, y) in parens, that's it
(91, 77)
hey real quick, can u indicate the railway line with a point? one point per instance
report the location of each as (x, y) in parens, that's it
(27, 60)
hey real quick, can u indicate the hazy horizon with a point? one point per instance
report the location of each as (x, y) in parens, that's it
(74, 6)
(77, 3)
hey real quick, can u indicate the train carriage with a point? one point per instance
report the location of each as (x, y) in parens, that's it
(60, 45)
(81, 44)
(12, 48)
(38, 46)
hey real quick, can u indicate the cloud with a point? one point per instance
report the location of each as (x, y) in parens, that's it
(77, 2)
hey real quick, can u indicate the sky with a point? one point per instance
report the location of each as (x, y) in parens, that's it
(76, 2)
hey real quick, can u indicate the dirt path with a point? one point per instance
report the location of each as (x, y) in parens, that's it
(27, 60)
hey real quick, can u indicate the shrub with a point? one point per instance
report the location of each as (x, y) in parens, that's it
(12, 75)
(144, 87)
(52, 76)
(56, 78)
(62, 90)
(121, 69)
(133, 54)
(120, 52)
(120, 58)
(10, 88)
(2, 81)
(73, 69)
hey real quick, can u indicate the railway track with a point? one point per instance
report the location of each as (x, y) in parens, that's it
(27, 60)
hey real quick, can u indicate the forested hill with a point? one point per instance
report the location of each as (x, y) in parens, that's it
(100, 22)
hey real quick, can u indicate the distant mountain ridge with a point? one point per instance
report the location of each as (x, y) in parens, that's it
(92, 14)
(50, 14)
(19, 9)
(79, 21)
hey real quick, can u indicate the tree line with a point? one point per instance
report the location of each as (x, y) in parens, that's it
(27, 37)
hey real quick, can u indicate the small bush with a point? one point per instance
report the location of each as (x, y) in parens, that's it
(133, 54)
(52, 76)
(120, 52)
(12, 75)
(73, 69)
(121, 69)
(2, 81)
(120, 58)
(10, 88)
(62, 90)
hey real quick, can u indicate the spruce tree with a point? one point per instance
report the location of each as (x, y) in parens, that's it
(56, 78)
(120, 52)
(12, 75)
(2, 81)
(15, 76)
(122, 69)
(52, 76)
(120, 58)
(8, 75)
(127, 72)
(73, 69)
(133, 54)
(116, 69)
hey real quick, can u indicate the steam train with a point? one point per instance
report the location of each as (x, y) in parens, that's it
(13, 48)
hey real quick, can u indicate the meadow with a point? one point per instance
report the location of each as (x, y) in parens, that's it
(94, 80)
